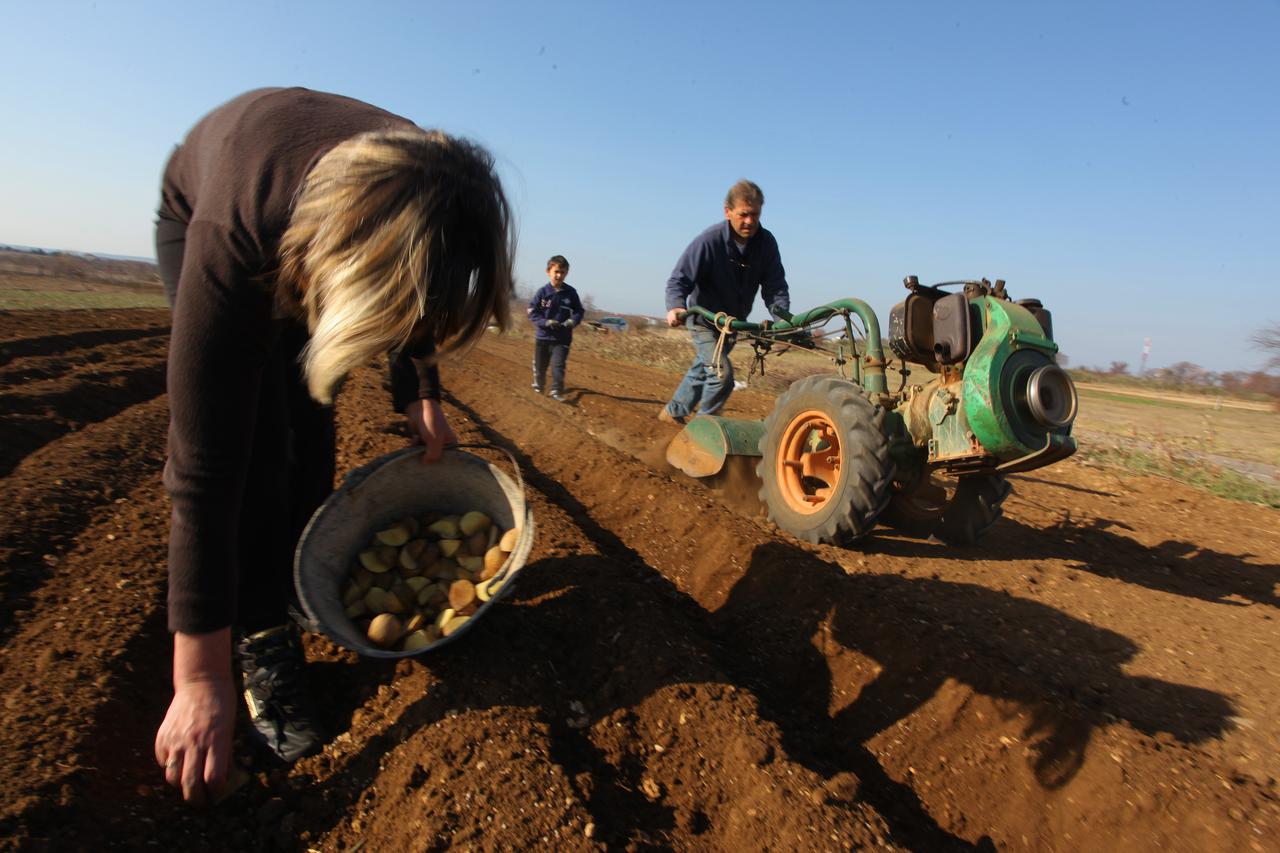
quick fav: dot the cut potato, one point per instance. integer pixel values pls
(384, 630)
(454, 623)
(461, 594)
(509, 539)
(373, 561)
(411, 554)
(416, 640)
(375, 599)
(444, 529)
(395, 536)
(494, 559)
(473, 522)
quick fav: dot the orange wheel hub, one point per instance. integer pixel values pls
(809, 461)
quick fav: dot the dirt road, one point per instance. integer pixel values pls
(670, 672)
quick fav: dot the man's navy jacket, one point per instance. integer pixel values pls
(713, 274)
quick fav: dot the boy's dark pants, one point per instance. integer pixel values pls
(545, 352)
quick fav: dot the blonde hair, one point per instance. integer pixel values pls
(394, 234)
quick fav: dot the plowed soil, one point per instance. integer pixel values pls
(670, 672)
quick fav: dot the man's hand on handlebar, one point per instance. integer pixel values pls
(676, 316)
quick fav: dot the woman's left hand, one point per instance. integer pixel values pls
(428, 427)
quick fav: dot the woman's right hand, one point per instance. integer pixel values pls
(193, 744)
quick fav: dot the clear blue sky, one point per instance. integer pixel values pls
(1120, 161)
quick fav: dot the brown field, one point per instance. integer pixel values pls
(671, 672)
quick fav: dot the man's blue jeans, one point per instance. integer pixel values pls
(700, 386)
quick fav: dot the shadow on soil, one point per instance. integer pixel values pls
(1100, 547)
(611, 630)
(577, 394)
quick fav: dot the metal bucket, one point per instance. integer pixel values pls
(378, 494)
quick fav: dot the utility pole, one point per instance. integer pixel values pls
(1146, 351)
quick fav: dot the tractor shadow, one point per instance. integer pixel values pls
(1100, 547)
(1065, 675)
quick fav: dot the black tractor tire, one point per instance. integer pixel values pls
(832, 513)
(975, 504)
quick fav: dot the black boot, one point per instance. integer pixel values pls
(280, 707)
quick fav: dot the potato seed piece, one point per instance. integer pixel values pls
(494, 558)
(411, 554)
(509, 539)
(351, 594)
(416, 583)
(416, 622)
(473, 522)
(376, 600)
(453, 624)
(372, 561)
(444, 616)
(473, 565)
(449, 547)
(400, 599)
(445, 529)
(384, 630)
(416, 640)
(394, 536)
(482, 590)
(356, 609)
(461, 593)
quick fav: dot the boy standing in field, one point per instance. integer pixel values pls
(555, 309)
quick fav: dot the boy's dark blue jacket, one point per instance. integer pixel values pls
(713, 274)
(559, 305)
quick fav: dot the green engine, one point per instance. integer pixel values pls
(993, 398)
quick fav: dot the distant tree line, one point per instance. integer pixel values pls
(1188, 376)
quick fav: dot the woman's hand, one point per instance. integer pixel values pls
(428, 427)
(193, 744)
